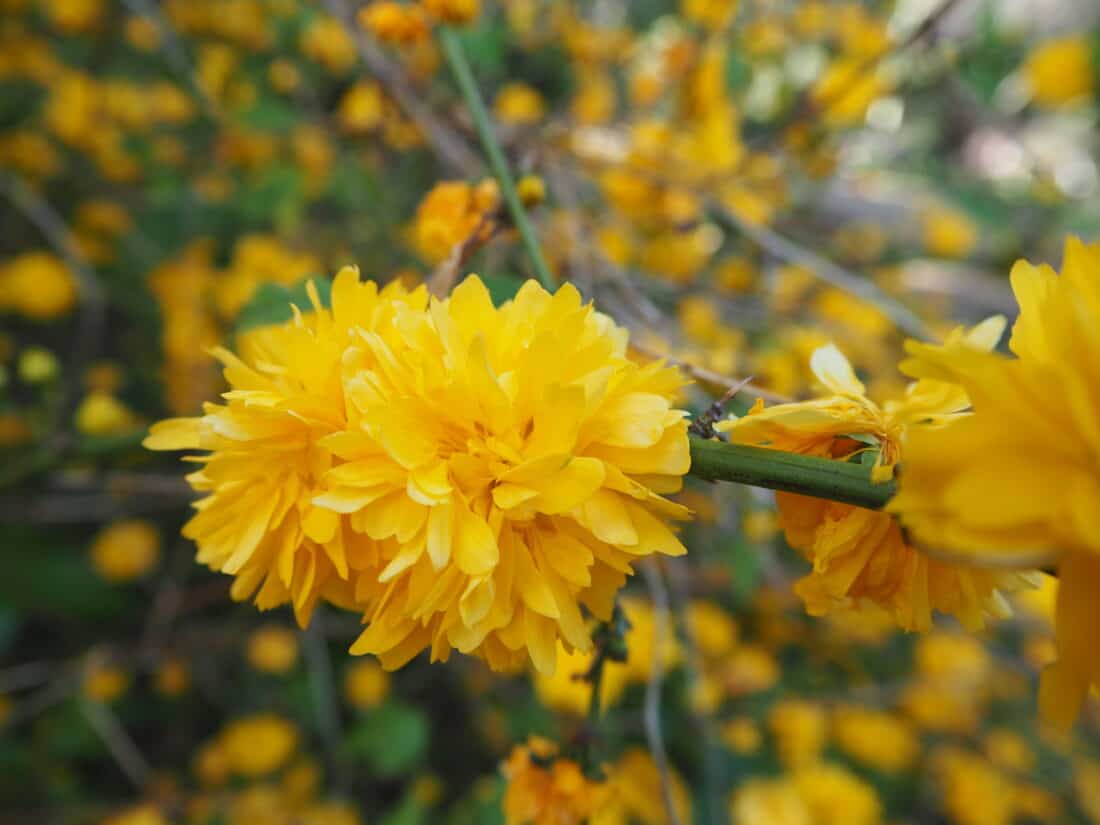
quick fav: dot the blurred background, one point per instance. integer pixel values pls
(738, 183)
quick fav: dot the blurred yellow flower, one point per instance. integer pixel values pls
(126, 550)
(949, 234)
(800, 728)
(328, 42)
(1015, 483)
(519, 104)
(392, 22)
(145, 814)
(633, 793)
(454, 12)
(847, 89)
(172, 677)
(100, 413)
(450, 213)
(366, 684)
(361, 107)
(836, 796)
(37, 285)
(37, 365)
(103, 682)
(761, 801)
(875, 738)
(545, 789)
(1061, 70)
(255, 746)
(974, 792)
(272, 649)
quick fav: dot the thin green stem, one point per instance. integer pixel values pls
(460, 68)
(789, 472)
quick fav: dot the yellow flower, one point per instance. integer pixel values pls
(74, 15)
(255, 746)
(361, 107)
(847, 89)
(258, 521)
(836, 796)
(974, 792)
(876, 738)
(1016, 482)
(519, 104)
(326, 41)
(126, 550)
(760, 801)
(393, 22)
(172, 677)
(104, 682)
(545, 789)
(37, 285)
(100, 413)
(1061, 70)
(858, 554)
(454, 12)
(712, 14)
(634, 793)
(37, 365)
(949, 234)
(450, 213)
(366, 685)
(146, 814)
(800, 729)
(741, 735)
(712, 628)
(272, 649)
(565, 691)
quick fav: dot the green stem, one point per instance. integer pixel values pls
(460, 68)
(789, 472)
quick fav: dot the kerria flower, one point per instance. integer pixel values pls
(861, 555)
(265, 460)
(545, 789)
(510, 463)
(1017, 483)
(465, 476)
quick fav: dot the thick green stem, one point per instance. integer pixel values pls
(460, 68)
(790, 472)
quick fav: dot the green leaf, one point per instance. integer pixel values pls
(270, 304)
(392, 739)
(409, 812)
(738, 72)
(270, 115)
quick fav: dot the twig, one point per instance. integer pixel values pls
(450, 147)
(826, 270)
(460, 68)
(445, 275)
(651, 714)
(118, 742)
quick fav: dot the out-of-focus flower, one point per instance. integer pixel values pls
(361, 107)
(272, 649)
(255, 746)
(519, 104)
(126, 550)
(366, 684)
(847, 89)
(37, 285)
(800, 728)
(1061, 70)
(100, 413)
(949, 234)
(974, 792)
(329, 43)
(172, 677)
(146, 814)
(453, 12)
(37, 365)
(858, 554)
(875, 738)
(545, 789)
(836, 796)
(102, 681)
(1013, 483)
(392, 22)
(633, 792)
(450, 213)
